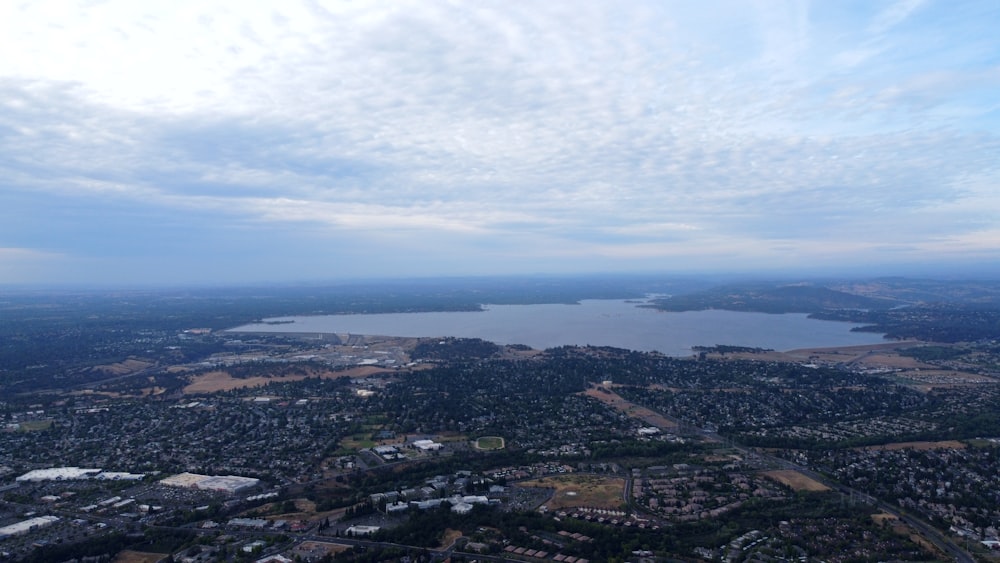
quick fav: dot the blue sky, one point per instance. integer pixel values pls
(212, 142)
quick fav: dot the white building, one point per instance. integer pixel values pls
(223, 483)
(462, 508)
(58, 474)
(27, 526)
(427, 445)
(362, 530)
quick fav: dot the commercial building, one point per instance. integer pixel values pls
(27, 526)
(229, 484)
(58, 474)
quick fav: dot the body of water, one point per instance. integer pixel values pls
(597, 322)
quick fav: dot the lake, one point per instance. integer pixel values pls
(616, 323)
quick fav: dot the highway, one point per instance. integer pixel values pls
(944, 544)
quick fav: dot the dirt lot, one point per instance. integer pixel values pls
(130, 365)
(314, 550)
(923, 446)
(139, 557)
(883, 517)
(796, 480)
(612, 399)
(449, 538)
(215, 381)
(872, 355)
(581, 490)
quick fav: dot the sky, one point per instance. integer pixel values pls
(205, 141)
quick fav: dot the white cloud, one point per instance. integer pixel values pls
(27, 265)
(667, 129)
(893, 15)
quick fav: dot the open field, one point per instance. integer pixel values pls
(581, 490)
(126, 367)
(360, 442)
(883, 517)
(874, 356)
(35, 425)
(490, 443)
(215, 381)
(796, 480)
(612, 399)
(313, 550)
(927, 379)
(129, 556)
(305, 509)
(450, 536)
(922, 446)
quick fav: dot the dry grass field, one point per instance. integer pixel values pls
(450, 536)
(215, 381)
(796, 480)
(128, 556)
(870, 355)
(581, 490)
(921, 446)
(305, 509)
(616, 401)
(883, 517)
(131, 365)
(314, 550)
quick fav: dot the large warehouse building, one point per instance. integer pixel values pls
(230, 484)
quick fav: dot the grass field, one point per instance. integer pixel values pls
(490, 443)
(581, 490)
(357, 442)
(34, 425)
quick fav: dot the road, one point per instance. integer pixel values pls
(925, 530)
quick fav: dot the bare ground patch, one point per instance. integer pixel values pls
(215, 381)
(312, 550)
(922, 446)
(797, 481)
(883, 517)
(129, 556)
(869, 355)
(449, 538)
(616, 401)
(131, 365)
(581, 490)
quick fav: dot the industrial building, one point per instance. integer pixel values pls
(230, 484)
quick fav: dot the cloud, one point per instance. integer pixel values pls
(28, 265)
(501, 134)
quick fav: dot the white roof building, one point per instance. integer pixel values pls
(462, 508)
(362, 530)
(58, 474)
(119, 476)
(427, 445)
(27, 525)
(222, 483)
